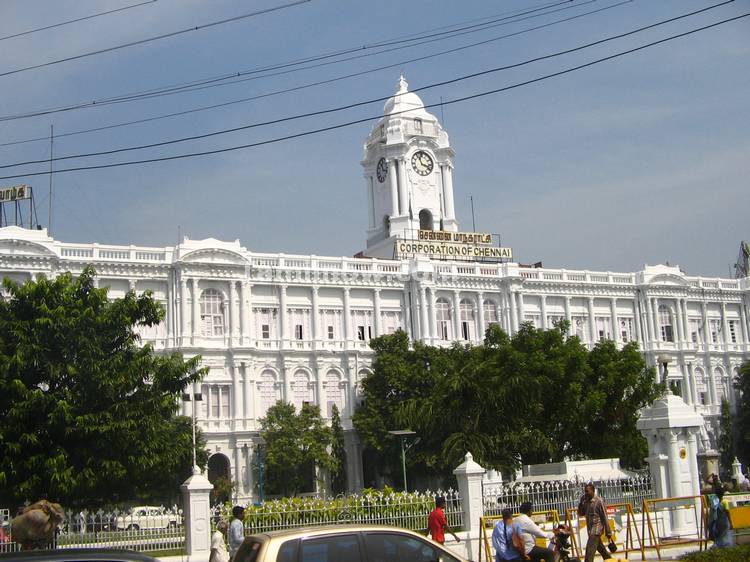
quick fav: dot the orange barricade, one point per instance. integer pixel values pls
(622, 522)
(673, 522)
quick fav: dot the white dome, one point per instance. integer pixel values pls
(404, 100)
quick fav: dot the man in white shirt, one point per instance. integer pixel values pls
(529, 530)
(236, 529)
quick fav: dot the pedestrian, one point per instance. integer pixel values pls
(437, 523)
(591, 507)
(529, 530)
(503, 538)
(719, 524)
(236, 529)
(219, 551)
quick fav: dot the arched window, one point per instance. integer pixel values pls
(720, 385)
(301, 391)
(443, 317)
(665, 321)
(269, 391)
(425, 220)
(334, 393)
(490, 313)
(467, 319)
(212, 313)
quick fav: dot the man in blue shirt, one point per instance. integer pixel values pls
(502, 538)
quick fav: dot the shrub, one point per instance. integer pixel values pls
(734, 554)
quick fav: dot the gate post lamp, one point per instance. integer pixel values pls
(195, 397)
(403, 434)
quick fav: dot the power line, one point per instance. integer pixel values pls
(62, 23)
(372, 118)
(155, 38)
(375, 100)
(222, 80)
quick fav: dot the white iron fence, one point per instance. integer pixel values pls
(143, 528)
(408, 511)
(564, 494)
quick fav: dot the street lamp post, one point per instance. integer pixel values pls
(403, 434)
(194, 397)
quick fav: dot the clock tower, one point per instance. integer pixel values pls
(408, 169)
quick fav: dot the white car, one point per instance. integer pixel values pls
(147, 517)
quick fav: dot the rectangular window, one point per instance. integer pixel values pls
(580, 327)
(603, 328)
(443, 329)
(626, 329)
(215, 403)
(703, 398)
(361, 333)
(418, 125)
(714, 328)
(330, 332)
(696, 330)
(732, 325)
(265, 331)
(298, 331)
(465, 330)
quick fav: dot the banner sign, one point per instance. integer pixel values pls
(15, 193)
(455, 245)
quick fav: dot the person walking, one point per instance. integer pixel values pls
(502, 538)
(236, 529)
(529, 530)
(437, 523)
(591, 507)
(219, 551)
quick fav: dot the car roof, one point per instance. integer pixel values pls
(328, 529)
(78, 555)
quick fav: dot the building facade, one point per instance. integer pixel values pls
(287, 327)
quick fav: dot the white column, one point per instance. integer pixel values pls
(679, 522)
(248, 408)
(237, 405)
(693, 384)
(687, 394)
(370, 201)
(543, 311)
(693, 460)
(233, 312)
(283, 336)
(347, 317)
(513, 312)
(521, 317)
(448, 192)
(431, 314)
(724, 326)
(287, 384)
(423, 321)
(184, 312)
(196, 311)
(743, 317)
(319, 397)
(568, 316)
(238, 467)
(315, 323)
(376, 312)
(407, 315)
(456, 315)
(649, 320)
(680, 322)
(170, 310)
(685, 321)
(480, 317)
(615, 321)
(657, 323)
(245, 304)
(196, 501)
(592, 321)
(403, 190)
(637, 321)
(394, 187)
(469, 478)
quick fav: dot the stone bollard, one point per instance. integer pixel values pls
(469, 475)
(195, 492)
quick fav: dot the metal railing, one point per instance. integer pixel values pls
(564, 494)
(408, 511)
(145, 529)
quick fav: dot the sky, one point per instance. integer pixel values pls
(641, 159)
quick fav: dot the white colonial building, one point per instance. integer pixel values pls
(277, 326)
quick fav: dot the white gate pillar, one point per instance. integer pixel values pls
(195, 493)
(469, 476)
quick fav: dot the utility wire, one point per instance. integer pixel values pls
(155, 38)
(62, 23)
(372, 118)
(366, 102)
(215, 81)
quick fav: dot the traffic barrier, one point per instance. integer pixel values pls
(541, 518)
(622, 523)
(674, 522)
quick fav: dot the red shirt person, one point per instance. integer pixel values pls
(437, 523)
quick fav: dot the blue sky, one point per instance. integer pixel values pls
(642, 159)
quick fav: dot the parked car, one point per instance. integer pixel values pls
(343, 543)
(146, 517)
(77, 555)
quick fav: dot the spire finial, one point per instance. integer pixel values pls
(403, 85)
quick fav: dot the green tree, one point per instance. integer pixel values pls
(88, 413)
(295, 445)
(338, 452)
(725, 442)
(742, 421)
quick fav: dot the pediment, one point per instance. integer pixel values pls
(668, 279)
(215, 256)
(15, 247)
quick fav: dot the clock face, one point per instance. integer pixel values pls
(382, 170)
(422, 163)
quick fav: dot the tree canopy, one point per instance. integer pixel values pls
(539, 396)
(296, 443)
(742, 423)
(88, 413)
